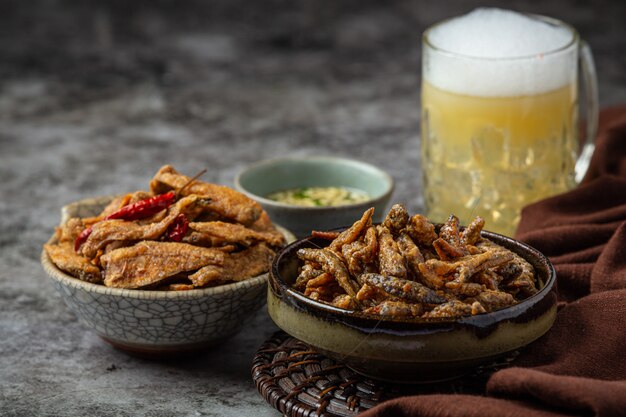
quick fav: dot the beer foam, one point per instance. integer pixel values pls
(495, 52)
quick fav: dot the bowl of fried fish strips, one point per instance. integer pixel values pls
(179, 267)
(412, 301)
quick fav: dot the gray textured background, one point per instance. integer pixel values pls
(95, 96)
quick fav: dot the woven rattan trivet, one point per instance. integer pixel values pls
(299, 382)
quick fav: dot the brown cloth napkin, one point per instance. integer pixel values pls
(579, 367)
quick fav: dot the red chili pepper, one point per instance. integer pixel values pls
(144, 208)
(178, 228)
(139, 210)
(82, 237)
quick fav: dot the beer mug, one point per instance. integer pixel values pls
(500, 111)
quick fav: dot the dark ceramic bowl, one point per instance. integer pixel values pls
(411, 350)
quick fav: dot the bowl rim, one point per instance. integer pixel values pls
(358, 320)
(388, 179)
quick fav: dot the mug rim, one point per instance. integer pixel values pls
(574, 41)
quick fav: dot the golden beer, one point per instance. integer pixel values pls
(490, 156)
(499, 115)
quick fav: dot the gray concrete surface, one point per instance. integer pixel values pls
(95, 96)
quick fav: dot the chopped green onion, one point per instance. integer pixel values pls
(319, 196)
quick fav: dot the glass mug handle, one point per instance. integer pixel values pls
(590, 83)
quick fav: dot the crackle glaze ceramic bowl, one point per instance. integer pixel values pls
(266, 177)
(157, 323)
(411, 350)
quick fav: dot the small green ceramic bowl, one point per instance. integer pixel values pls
(411, 350)
(266, 177)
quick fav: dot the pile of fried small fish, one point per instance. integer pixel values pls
(191, 234)
(405, 268)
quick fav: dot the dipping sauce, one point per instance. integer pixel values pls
(319, 196)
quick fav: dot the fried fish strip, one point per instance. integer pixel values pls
(69, 231)
(367, 293)
(344, 301)
(308, 272)
(332, 264)
(66, 259)
(235, 233)
(452, 308)
(449, 246)
(324, 235)
(390, 260)
(471, 234)
(177, 287)
(439, 272)
(229, 203)
(411, 253)
(148, 263)
(265, 225)
(477, 308)
(324, 293)
(401, 288)
(489, 278)
(368, 253)
(351, 260)
(448, 252)
(421, 230)
(518, 275)
(524, 284)
(353, 232)
(235, 267)
(397, 218)
(494, 300)
(323, 279)
(396, 309)
(450, 231)
(358, 255)
(465, 289)
(202, 239)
